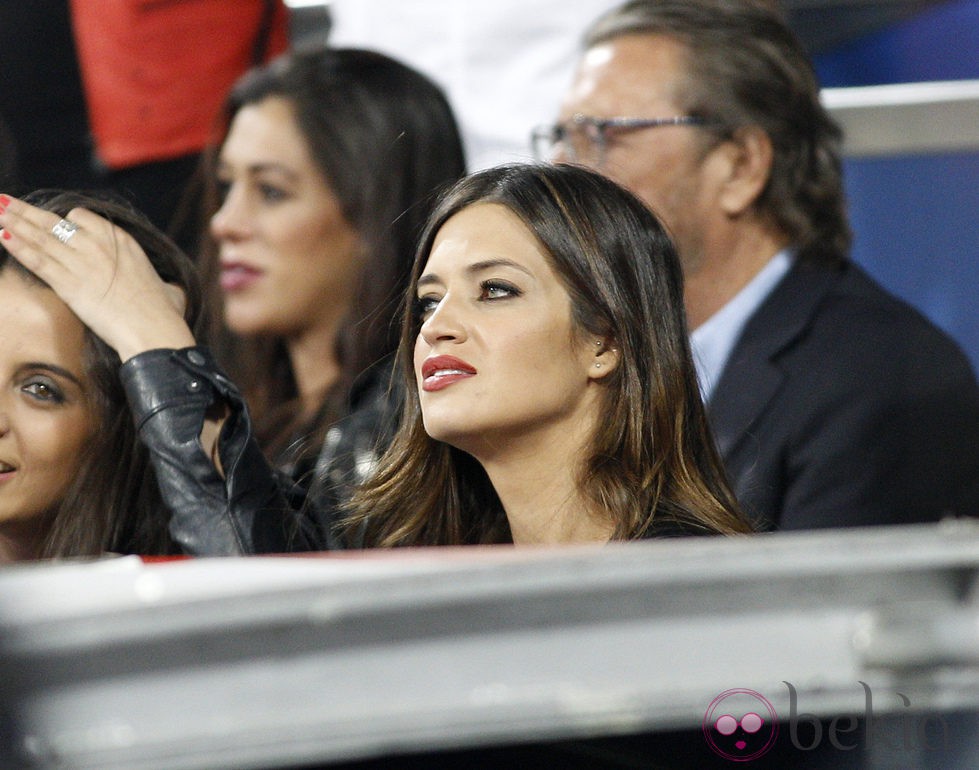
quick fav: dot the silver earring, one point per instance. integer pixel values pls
(598, 366)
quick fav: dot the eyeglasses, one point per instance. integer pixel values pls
(585, 139)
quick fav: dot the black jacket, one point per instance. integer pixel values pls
(252, 508)
(841, 405)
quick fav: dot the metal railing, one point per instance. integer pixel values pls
(907, 118)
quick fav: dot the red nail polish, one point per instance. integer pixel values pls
(4, 202)
(6, 235)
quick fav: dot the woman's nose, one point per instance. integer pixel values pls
(230, 219)
(444, 322)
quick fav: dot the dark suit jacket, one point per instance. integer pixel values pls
(841, 405)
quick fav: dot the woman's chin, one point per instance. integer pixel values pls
(451, 433)
(247, 324)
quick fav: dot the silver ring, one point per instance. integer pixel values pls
(64, 230)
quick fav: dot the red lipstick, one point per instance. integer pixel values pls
(441, 371)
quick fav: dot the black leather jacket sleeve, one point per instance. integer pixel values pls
(251, 508)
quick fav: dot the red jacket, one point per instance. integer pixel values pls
(156, 72)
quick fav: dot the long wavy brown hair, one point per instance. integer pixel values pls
(652, 463)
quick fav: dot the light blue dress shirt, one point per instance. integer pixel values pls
(713, 340)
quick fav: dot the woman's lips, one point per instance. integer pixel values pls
(439, 372)
(236, 276)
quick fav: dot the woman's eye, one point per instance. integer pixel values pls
(44, 391)
(425, 306)
(490, 290)
(272, 194)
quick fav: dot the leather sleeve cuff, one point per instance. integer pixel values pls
(164, 378)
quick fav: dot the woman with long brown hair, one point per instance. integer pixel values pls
(551, 395)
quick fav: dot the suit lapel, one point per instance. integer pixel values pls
(752, 376)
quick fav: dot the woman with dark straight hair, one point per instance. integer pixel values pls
(329, 165)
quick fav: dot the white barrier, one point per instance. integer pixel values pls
(274, 662)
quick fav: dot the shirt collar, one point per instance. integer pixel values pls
(713, 341)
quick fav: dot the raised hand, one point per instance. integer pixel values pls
(100, 272)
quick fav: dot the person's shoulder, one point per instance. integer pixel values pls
(859, 298)
(860, 321)
(664, 526)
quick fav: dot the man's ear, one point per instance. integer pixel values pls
(605, 360)
(748, 155)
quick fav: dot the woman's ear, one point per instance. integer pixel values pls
(604, 360)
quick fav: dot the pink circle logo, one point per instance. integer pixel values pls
(740, 725)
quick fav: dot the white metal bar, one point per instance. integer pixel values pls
(907, 118)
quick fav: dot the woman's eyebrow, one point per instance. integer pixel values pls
(270, 167)
(488, 264)
(477, 267)
(53, 369)
(428, 278)
(259, 168)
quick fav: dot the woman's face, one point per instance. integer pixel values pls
(289, 259)
(498, 360)
(46, 418)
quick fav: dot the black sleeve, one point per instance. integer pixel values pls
(251, 509)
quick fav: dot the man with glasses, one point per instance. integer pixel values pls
(833, 403)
